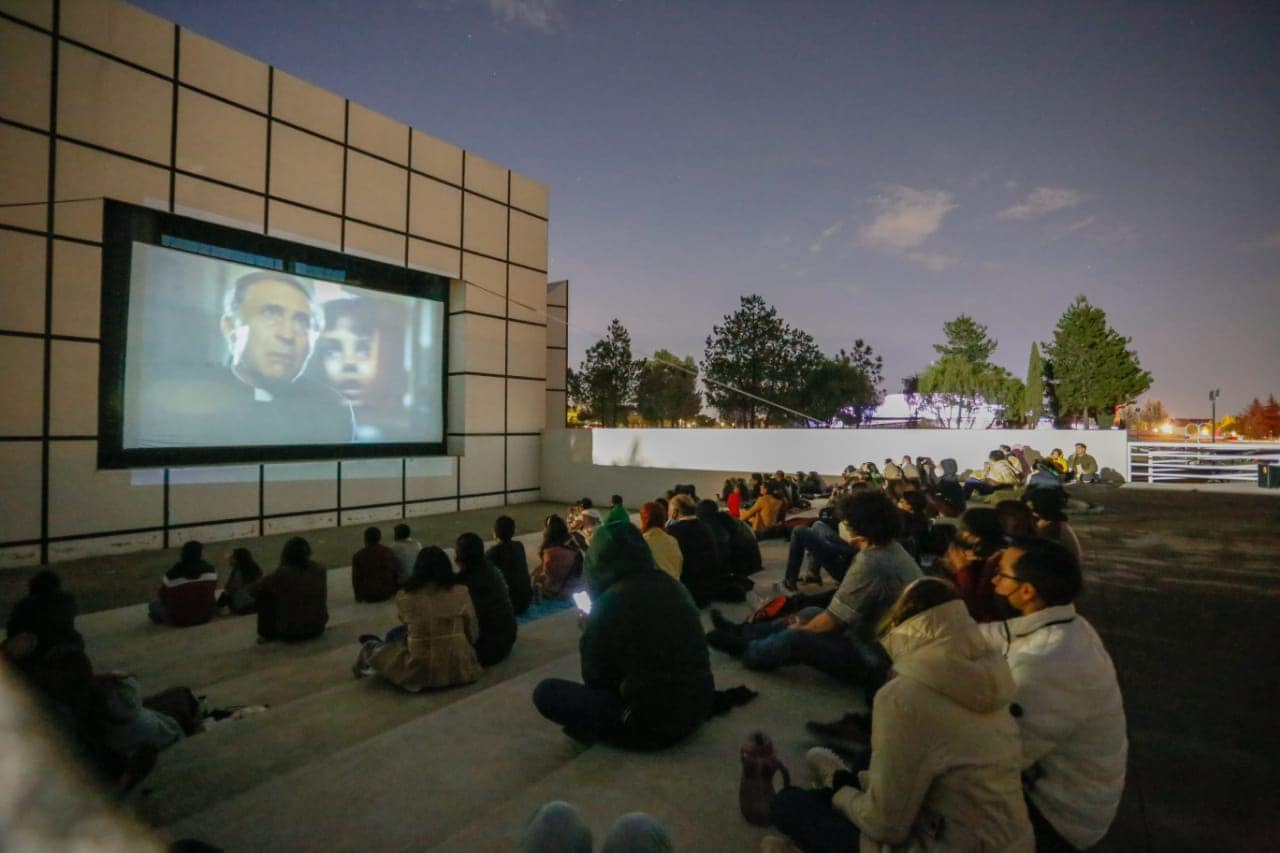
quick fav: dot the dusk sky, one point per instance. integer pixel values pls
(872, 170)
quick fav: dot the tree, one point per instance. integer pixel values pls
(754, 351)
(667, 394)
(1259, 420)
(1033, 399)
(606, 382)
(1152, 414)
(871, 366)
(1094, 368)
(967, 339)
(962, 378)
(838, 389)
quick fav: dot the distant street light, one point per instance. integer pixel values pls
(1213, 415)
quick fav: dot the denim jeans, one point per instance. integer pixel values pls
(818, 547)
(775, 644)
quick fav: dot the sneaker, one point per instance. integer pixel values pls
(852, 726)
(823, 763)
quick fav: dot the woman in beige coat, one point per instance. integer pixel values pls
(437, 650)
(945, 750)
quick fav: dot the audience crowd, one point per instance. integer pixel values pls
(995, 718)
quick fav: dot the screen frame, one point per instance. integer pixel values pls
(124, 224)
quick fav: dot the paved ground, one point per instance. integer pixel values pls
(1182, 586)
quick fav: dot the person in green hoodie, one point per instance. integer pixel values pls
(645, 664)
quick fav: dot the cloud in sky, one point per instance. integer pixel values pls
(1042, 201)
(905, 218)
(935, 261)
(826, 234)
(1058, 231)
(540, 15)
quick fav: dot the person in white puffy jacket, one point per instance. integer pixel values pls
(1067, 700)
(945, 753)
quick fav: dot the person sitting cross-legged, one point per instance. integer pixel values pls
(945, 753)
(646, 675)
(292, 601)
(437, 649)
(1067, 700)
(840, 639)
(375, 569)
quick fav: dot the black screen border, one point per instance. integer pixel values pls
(123, 224)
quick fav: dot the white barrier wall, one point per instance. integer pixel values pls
(646, 462)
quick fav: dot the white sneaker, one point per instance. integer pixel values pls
(824, 763)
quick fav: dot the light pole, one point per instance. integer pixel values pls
(1213, 415)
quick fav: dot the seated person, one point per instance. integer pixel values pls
(892, 472)
(1050, 519)
(744, 549)
(913, 508)
(646, 672)
(663, 546)
(1016, 519)
(490, 598)
(703, 574)
(508, 555)
(768, 514)
(617, 512)
(293, 600)
(1060, 462)
(244, 571)
(1082, 466)
(375, 569)
(437, 649)
(910, 470)
(996, 474)
(1070, 713)
(708, 513)
(406, 548)
(188, 594)
(972, 558)
(559, 562)
(945, 753)
(1044, 475)
(816, 547)
(47, 613)
(840, 639)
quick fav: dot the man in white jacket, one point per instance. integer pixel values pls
(1067, 701)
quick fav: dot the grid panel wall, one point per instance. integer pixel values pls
(102, 99)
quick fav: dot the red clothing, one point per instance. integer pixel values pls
(375, 573)
(735, 503)
(977, 591)
(189, 601)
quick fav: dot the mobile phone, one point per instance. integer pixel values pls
(583, 601)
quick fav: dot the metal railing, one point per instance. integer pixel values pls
(1172, 462)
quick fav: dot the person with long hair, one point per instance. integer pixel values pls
(559, 562)
(663, 546)
(293, 600)
(490, 598)
(244, 571)
(437, 650)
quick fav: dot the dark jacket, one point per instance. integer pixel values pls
(293, 602)
(50, 617)
(497, 619)
(375, 573)
(703, 575)
(743, 549)
(510, 559)
(644, 637)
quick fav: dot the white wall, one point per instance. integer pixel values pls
(647, 462)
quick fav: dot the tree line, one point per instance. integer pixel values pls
(758, 370)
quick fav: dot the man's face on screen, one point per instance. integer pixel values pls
(271, 334)
(350, 358)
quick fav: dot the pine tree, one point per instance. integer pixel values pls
(667, 393)
(608, 377)
(967, 339)
(1033, 399)
(1094, 369)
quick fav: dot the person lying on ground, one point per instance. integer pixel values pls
(945, 753)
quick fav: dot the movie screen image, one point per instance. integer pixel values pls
(220, 354)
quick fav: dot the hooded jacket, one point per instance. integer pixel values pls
(945, 754)
(643, 638)
(1072, 722)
